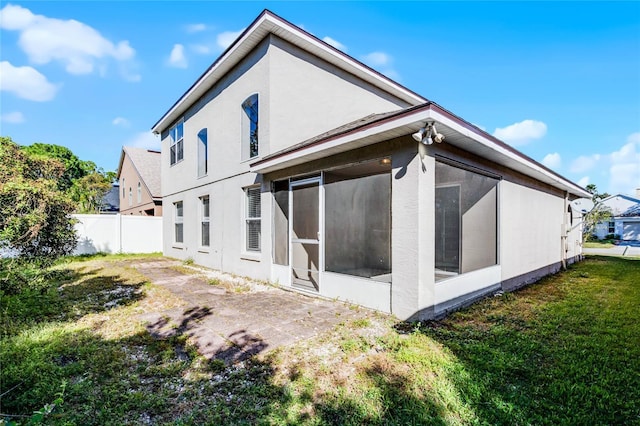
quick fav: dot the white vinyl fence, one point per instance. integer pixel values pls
(118, 234)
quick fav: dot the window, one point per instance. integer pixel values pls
(123, 189)
(252, 219)
(204, 221)
(250, 127)
(130, 197)
(358, 221)
(178, 220)
(203, 161)
(612, 228)
(176, 135)
(139, 193)
(466, 221)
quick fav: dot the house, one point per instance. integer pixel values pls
(290, 161)
(625, 218)
(110, 203)
(139, 180)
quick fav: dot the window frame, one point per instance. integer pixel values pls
(130, 197)
(178, 220)
(139, 195)
(248, 192)
(247, 151)
(205, 219)
(203, 153)
(176, 144)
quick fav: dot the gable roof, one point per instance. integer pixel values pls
(269, 23)
(147, 164)
(632, 211)
(626, 197)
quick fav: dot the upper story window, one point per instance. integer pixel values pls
(176, 143)
(250, 127)
(139, 193)
(123, 189)
(203, 153)
(130, 197)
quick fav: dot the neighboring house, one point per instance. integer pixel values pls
(111, 200)
(625, 221)
(139, 180)
(290, 161)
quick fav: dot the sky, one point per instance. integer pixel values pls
(559, 81)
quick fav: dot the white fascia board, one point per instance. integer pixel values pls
(342, 143)
(510, 155)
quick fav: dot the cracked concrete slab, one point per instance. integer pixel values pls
(230, 324)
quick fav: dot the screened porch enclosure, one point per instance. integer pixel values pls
(466, 227)
(338, 221)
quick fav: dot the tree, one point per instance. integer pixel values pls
(74, 168)
(600, 213)
(88, 192)
(86, 183)
(35, 213)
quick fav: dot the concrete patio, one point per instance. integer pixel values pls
(235, 323)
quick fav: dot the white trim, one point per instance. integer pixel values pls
(405, 125)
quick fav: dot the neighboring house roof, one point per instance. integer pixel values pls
(147, 164)
(111, 200)
(381, 127)
(270, 23)
(620, 203)
(632, 211)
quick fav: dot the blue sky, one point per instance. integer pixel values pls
(559, 81)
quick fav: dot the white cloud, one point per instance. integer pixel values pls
(624, 171)
(195, 28)
(552, 161)
(621, 167)
(377, 59)
(225, 39)
(583, 182)
(26, 83)
(584, 163)
(120, 121)
(79, 47)
(145, 140)
(335, 43)
(15, 117)
(200, 49)
(177, 58)
(382, 61)
(521, 133)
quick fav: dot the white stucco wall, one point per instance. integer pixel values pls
(309, 96)
(530, 229)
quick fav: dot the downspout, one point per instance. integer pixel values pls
(563, 237)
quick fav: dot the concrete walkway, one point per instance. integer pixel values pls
(623, 249)
(235, 324)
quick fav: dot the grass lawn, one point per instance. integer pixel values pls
(599, 244)
(563, 351)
